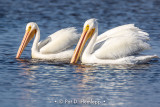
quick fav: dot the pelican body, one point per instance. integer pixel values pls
(120, 45)
(56, 47)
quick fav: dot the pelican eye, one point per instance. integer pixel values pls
(87, 27)
(29, 28)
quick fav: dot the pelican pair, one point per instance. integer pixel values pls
(120, 45)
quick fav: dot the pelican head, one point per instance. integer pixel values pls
(31, 30)
(88, 31)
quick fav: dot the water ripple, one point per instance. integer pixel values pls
(37, 83)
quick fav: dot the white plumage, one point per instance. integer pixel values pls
(122, 41)
(120, 45)
(60, 41)
(57, 46)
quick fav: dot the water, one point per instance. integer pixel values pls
(34, 83)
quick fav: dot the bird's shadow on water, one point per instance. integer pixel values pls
(41, 62)
(30, 61)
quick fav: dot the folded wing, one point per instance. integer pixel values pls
(120, 42)
(59, 41)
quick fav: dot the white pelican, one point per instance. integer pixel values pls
(119, 45)
(56, 47)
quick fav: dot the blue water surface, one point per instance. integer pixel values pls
(34, 83)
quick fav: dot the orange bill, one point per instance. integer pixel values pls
(86, 34)
(26, 39)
